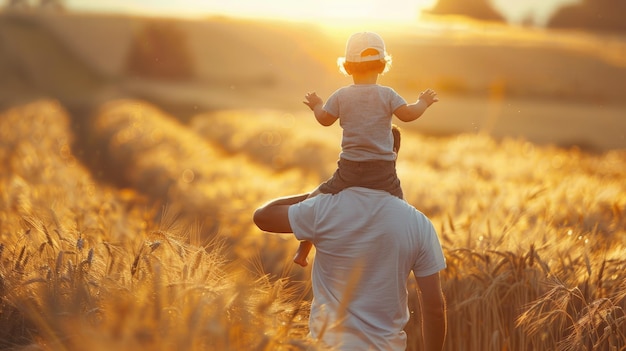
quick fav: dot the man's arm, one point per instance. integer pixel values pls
(433, 305)
(274, 215)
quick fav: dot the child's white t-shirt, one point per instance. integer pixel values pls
(367, 243)
(365, 112)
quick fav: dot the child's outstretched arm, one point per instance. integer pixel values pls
(316, 104)
(411, 112)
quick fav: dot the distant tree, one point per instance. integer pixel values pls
(55, 5)
(160, 50)
(477, 9)
(17, 4)
(605, 15)
(528, 21)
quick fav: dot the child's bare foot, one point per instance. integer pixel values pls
(302, 261)
(302, 253)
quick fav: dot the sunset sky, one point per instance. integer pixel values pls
(332, 10)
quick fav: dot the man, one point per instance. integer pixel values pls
(367, 243)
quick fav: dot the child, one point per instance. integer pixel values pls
(365, 110)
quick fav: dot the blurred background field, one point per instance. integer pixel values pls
(550, 86)
(135, 149)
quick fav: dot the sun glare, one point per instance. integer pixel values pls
(326, 11)
(329, 10)
(374, 10)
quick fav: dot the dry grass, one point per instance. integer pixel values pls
(87, 266)
(534, 236)
(168, 259)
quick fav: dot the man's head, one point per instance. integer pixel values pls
(365, 51)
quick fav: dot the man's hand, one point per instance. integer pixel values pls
(429, 96)
(312, 100)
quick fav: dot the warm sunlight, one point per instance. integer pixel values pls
(354, 10)
(351, 11)
(322, 10)
(141, 142)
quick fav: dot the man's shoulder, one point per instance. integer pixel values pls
(375, 194)
(365, 197)
(366, 191)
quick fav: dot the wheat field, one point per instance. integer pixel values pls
(164, 255)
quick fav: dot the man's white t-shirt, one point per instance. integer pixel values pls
(367, 243)
(365, 112)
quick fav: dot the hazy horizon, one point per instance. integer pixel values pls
(326, 10)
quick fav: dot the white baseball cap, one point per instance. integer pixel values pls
(359, 42)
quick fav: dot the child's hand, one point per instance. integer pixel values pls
(312, 100)
(429, 96)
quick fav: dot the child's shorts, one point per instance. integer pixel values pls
(379, 175)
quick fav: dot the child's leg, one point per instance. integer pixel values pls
(314, 192)
(332, 186)
(305, 246)
(302, 253)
